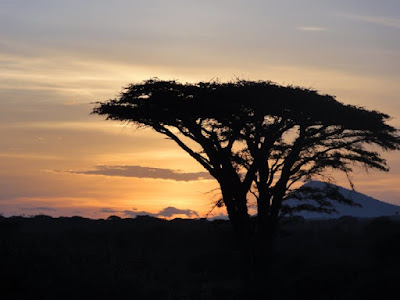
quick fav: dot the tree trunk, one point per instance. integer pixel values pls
(256, 259)
(255, 240)
(240, 220)
(264, 255)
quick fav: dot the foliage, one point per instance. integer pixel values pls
(259, 137)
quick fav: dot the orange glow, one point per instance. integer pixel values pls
(48, 86)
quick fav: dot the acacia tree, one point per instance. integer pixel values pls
(261, 138)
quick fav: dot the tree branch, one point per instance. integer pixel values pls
(201, 159)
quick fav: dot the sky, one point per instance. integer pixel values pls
(59, 57)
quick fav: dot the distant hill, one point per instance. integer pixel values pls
(370, 207)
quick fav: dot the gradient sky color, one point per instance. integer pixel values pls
(58, 57)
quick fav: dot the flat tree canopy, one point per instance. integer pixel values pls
(259, 137)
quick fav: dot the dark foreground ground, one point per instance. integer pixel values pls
(147, 258)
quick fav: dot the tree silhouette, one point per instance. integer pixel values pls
(259, 138)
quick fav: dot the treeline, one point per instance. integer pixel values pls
(151, 258)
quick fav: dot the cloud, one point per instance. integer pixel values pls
(134, 213)
(311, 28)
(171, 211)
(145, 172)
(167, 212)
(109, 210)
(44, 208)
(377, 20)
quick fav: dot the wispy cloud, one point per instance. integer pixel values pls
(311, 28)
(378, 20)
(145, 172)
(109, 210)
(41, 208)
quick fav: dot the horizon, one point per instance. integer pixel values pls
(172, 213)
(58, 58)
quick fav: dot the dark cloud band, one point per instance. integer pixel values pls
(167, 212)
(145, 172)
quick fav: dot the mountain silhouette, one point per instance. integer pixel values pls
(369, 207)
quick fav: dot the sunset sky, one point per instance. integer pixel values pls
(57, 57)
